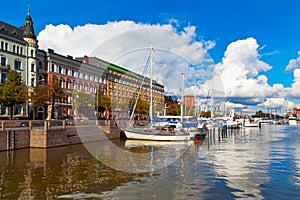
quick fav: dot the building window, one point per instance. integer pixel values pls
(2, 45)
(73, 73)
(53, 68)
(61, 82)
(31, 53)
(18, 49)
(17, 110)
(3, 110)
(17, 65)
(21, 50)
(3, 77)
(3, 61)
(74, 85)
(67, 84)
(60, 69)
(14, 48)
(6, 46)
(32, 82)
(32, 67)
(67, 99)
(67, 71)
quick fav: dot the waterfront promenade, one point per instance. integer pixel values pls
(18, 134)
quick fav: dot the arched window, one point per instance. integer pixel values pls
(61, 80)
(74, 85)
(68, 84)
(60, 69)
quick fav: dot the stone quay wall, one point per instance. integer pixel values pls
(45, 134)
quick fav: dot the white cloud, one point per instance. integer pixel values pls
(277, 103)
(293, 64)
(239, 72)
(295, 87)
(127, 43)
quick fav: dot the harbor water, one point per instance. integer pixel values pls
(249, 163)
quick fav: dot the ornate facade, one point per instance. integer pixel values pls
(19, 51)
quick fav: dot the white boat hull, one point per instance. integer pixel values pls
(292, 122)
(137, 143)
(251, 125)
(137, 135)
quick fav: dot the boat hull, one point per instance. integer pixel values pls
(292, 122)
(138, 135)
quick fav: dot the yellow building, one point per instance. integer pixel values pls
(121, 85)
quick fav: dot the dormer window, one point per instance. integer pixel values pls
(2, 28)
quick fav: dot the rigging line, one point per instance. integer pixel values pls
(138, 89)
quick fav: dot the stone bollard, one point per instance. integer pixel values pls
(2, 126)
(45, 125)
(64, 124)
(30, 125)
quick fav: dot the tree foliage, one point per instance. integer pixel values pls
(103, 101)
(55, 93)
(173, 106)
(142, 107)
(206, 114)
(13, 92)
(39, 96)
(82, 102)
(259, 113)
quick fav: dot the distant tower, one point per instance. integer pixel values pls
(30, 72)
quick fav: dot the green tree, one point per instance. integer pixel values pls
(82, 102)
(142, 107)
(13, 91)
(172, 105)
(55, 93)
(38, 97)
(104, 102)
(206, 114)
(259, 113)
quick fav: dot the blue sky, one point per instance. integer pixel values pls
(274, 24)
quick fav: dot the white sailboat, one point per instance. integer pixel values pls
(165, 133)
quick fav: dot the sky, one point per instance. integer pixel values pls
(245, 51)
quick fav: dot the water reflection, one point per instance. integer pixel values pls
(249, 163)
(241, 162)
(50, 173)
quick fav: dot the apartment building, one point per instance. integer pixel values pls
(121, 85)
(18, 51)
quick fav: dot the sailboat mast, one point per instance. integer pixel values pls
(151, 77)
(182, 96)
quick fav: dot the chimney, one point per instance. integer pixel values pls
(86, 59)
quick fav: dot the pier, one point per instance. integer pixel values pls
(16, 134)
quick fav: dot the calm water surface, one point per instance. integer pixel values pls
(250, 163)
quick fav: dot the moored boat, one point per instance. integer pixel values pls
(169, 132)
(292, 120)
